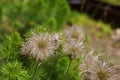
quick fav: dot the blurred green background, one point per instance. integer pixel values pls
(17, 17)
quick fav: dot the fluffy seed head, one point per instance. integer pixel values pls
(40, 46)
(73, 49)
(74, 33)
(102, 71)
(88, 61)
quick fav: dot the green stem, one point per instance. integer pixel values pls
(54, 66)
(67, 70)
(36, 68)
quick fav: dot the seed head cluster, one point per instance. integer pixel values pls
(42, 45)
(74, 37)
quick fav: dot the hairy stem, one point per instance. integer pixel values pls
(35, 71)
(68, 67)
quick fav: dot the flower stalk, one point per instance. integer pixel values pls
(36, 69)
(68, 68)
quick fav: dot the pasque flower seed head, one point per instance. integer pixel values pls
(73, 49)
(40, 46)
(74, 33)
(102, 71)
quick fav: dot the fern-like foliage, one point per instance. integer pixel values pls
(37, 29)
(20, 13)
(14, 71)
(10, 47)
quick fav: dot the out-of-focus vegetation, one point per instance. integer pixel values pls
(17, 14)
(112, 2)
(21, 49)
(99, 28)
